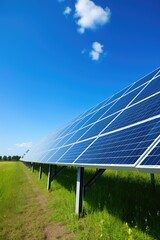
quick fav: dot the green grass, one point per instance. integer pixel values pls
(17, 211)
(120, 205)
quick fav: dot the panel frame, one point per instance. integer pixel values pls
(150, 168)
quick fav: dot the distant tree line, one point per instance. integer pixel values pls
(10, 158)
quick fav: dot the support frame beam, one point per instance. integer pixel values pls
(90, 182)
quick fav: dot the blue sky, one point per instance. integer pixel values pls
(58, 58)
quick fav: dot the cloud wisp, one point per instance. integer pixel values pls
(97, 50)
(67, 11)
(24, 145)
(90, 15)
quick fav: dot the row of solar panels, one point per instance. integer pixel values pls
(114, 133)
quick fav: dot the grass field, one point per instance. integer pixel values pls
(120, 205)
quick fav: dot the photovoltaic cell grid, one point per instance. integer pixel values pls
(115, 132)
(122, 147)
(153, 159)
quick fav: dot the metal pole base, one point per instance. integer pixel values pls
(49, 177)
(153, 183)
(79, 191)
(40, 171)
(32, 167)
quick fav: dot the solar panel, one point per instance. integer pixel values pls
(123, 147)
(114, 133)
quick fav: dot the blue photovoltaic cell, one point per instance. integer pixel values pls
(123, 147)
(151, 88)
(153, 159)
(119, 94)
(98, 127)
(47, 155)
(99, 106)
(68, 129)
(77, 135)
(114, 106)
(81, 122)
(71, 137)
(122, 102)
(59, 141)
(95, 108)
(74, 152)
(57, 154)
(141, 111)
(145, 79)
(87, 112)
(99, 114)
(60, 131)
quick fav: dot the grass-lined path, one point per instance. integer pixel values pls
(119, 206)
(23, 211)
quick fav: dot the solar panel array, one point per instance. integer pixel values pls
(115, 133)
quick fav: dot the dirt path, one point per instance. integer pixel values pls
(51, 231)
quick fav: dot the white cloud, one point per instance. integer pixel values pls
(24, 145)
(67, 11)
(90, 15)
(97, 50)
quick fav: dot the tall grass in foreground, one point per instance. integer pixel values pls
(19, 212)
(11, 196)
(120, 205)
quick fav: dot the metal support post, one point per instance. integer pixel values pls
(40, 171)
(90, 182)
(49, 177)
(57, 172)
(79, 191)
(153, 183)
(32, 167)
(28, 164)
